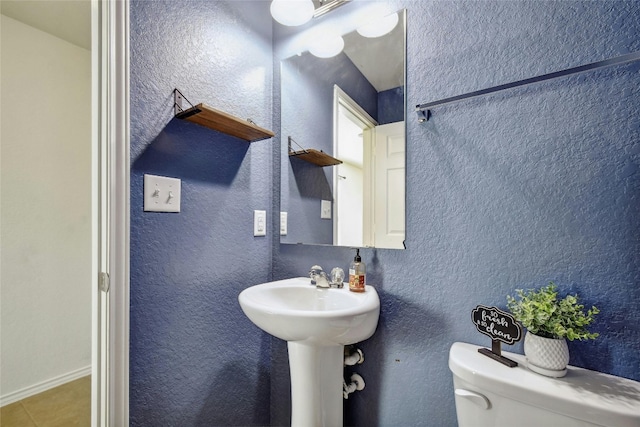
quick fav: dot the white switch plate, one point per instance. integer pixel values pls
(259, 223)
(161, 194)
(283, 223)
(325, 209)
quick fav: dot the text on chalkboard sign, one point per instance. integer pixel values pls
(497, 324)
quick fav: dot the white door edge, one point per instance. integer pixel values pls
(110, 201)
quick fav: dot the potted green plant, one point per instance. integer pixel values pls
(550, 322)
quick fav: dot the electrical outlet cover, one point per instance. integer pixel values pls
(325, 209)
(283, 223)
(259, 223)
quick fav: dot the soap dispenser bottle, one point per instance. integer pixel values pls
(357, 274)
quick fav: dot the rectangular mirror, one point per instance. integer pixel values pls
(343, 141)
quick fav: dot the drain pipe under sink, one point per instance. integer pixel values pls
(352, 356)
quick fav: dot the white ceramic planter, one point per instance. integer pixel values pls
(546, 356)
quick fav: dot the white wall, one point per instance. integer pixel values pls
(45, 235)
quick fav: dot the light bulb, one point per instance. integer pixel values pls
(292, 12)
(379, 28)
(327, 47)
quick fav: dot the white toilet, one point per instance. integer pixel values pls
(489, 393)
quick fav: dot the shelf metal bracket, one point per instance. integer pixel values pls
(178, 97)
(291, 150)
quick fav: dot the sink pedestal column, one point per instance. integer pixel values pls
(316, 384)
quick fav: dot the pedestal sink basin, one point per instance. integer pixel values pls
(317, 324)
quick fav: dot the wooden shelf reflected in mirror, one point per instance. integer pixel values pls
(316, 157)
(311, 155)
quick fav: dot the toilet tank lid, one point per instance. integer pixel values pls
(582, 394)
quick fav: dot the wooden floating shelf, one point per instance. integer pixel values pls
(316, 157)
(223, 122)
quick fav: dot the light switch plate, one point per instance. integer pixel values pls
(259, 223)
(283, 223)
(161, 194)
(325, 209)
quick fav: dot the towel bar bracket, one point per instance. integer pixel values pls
(423, 115)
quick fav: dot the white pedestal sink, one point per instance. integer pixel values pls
(317, 324)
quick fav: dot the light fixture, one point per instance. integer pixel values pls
(327, 6)
(327, 47)
(292, 12)
(380, 27)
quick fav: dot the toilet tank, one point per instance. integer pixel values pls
(488, 393)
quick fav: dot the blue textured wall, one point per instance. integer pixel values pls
(195, 358)
(307, 106)
(391, 106)
(503, 192)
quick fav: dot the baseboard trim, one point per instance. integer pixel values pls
(44, 386)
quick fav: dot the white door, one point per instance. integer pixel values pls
(389, 186)
(352, 127)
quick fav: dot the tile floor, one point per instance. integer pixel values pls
(63, 406)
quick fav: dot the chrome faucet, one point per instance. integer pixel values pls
(319, 278)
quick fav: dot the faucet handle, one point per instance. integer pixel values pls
(337, 278)
(315, 271)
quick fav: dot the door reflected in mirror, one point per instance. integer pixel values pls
(350, 107)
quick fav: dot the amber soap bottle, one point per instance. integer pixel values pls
(357, 273)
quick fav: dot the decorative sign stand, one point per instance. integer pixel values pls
(501, 327)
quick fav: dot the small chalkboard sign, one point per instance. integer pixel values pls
(501, 327)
